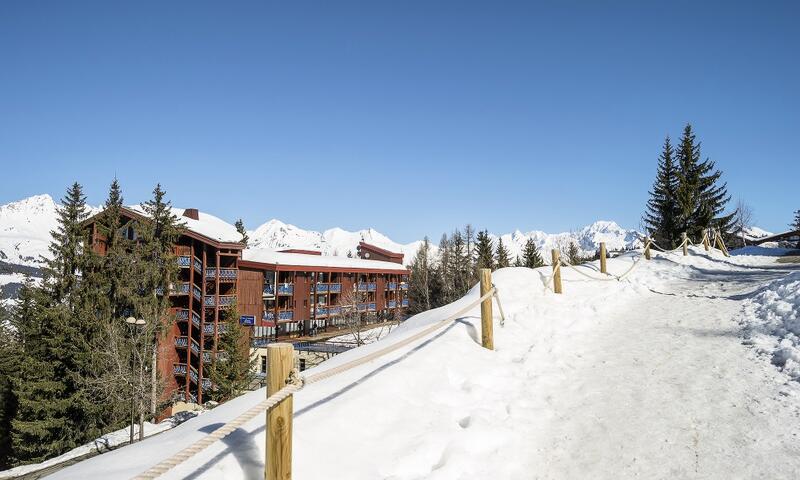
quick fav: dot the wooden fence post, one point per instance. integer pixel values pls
(647, 248)
(487, 333)
(706, 243)
(720, 244)
(685, 244)
(280, 362)
(603, 257)
(556, 271)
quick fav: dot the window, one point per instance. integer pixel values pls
(263, 364)
(302, 364)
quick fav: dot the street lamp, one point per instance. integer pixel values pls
(135, 327)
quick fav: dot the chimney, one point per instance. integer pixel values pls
(191, 213)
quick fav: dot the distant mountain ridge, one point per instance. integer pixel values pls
(25, 227)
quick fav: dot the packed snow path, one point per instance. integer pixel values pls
(646, 377)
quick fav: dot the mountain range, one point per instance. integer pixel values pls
(25, 227)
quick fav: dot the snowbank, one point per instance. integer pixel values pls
(772, 319)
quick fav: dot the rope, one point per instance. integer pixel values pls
(500, 307)
(590, 277)
(165, 465)
(295, 383)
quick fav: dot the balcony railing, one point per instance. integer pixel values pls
(198, 266)
(196, 320)
(392, 303)
(334, 310)
(197, 293)
(320, 312)
(286, 315)
(181, 289)
(184, 261)
(362, 307)
(207, 385)
(208, 329)
(403, 286)
(225, 274)
(371, 307)
(285, 289)
(405, 302)
(335, 287)
(322, 288)
(179, 369)
(391, 286)
(224, 300)
(193, 374)
(268, 316)
(207, 357)
(367, 287)
(182, 315)
(181, 342)
(269, 290)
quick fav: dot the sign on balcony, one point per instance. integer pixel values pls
(247, 320)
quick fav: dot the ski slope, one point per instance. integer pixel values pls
(648, 377)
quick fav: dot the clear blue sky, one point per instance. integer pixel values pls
(409, 117)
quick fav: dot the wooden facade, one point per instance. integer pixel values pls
(285, 300)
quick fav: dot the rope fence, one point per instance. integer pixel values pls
(296, 382)
(553, 282)
(287, 380)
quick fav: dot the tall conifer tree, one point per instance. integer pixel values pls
(701, 196)
(502, 255)
(531, 257)
(661, 217)
(484, 251)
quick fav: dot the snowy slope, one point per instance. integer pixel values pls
(277, 235)
(25, 229)
(645, 378)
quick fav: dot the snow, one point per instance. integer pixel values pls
(277, 235)
(25, 228)
(772, 320)
(206, 224)
(103, 444)
(648, 377)
(264, 255)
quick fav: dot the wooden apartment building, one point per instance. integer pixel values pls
(279, 294)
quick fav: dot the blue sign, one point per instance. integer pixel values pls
(248, 320)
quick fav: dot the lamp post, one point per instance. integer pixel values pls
(135, 327)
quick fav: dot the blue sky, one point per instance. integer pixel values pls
(410, 117)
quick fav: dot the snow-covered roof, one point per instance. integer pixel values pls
(263, 255)
(206, 224)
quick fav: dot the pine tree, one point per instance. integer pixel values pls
(531, 257)
(701, 199)
(54, 410)
(445, 272)
(471, 273)
(518, 262)
(796, 224)
(421, 296)
(242, 231)
(573, 254)
(484, 252)
(157, 269)
(461, 264)
(66, 247)
(661, 217)
(231, 373)
(9, 356)
(502, 259)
